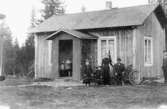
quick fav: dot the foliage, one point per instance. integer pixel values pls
(52, 7)
(17, 60)
(163, 3)
(21, 59)
(8, 50)
(25, 57)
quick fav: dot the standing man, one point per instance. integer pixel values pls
(118, 71)
(164, 66)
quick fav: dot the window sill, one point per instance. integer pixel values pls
(148, 65)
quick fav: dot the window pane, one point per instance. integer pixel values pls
(103, 48)
(147, 51)
(111, 49)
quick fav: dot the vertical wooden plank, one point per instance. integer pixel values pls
(55, 68)
(134, 47)
(1, 54)
(49, 57)
(76, 59)
(42, 58)
(99, 52)
(36, 55)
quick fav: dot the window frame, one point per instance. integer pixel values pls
(107, 38)
(146, 64)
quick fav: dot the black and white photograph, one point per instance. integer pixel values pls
(83, 54)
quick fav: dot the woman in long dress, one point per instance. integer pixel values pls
(106, 64)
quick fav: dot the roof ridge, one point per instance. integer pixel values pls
(101, 10)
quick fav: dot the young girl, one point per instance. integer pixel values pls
(87, 72)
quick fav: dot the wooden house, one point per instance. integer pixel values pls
(135, 34)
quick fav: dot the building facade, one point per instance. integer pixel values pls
(134, 34)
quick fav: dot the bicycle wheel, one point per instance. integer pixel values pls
(134, 77)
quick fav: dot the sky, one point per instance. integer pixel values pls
(18, 12)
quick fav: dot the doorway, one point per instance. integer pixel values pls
(65, 58)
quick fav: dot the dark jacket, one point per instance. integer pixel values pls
(119, 68)
(106, 62)
(87, 73)
(164, 65)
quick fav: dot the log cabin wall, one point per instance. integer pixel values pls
(124, 38)
(150, 28)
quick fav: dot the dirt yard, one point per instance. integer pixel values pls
(108, 97)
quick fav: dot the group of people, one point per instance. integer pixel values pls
(112, 73)
(109, 71)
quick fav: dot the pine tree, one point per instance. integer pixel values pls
(52, 7)
(152, 1)
(8, 51)
(33, 19)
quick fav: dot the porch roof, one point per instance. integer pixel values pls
(74, 33)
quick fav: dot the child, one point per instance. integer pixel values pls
(87, 73)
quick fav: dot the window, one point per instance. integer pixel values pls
(106, 45)
(103, 48)
(148, 51)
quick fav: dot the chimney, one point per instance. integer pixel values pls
(152, 1)
(108, 4)
(83, 8)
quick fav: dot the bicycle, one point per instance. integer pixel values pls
(131, 76)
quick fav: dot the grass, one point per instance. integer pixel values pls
(46, 97)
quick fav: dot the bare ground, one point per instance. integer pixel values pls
(104, 97)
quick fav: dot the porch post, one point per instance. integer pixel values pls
(55, 59)
(76, 59)
(36, 55)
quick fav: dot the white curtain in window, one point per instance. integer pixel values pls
(103, 48)
(111, 48)
(148, 50)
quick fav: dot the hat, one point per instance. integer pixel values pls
(118, 59)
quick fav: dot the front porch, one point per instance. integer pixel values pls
(67, 50)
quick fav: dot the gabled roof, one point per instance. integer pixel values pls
(116, 17)
(73, 33)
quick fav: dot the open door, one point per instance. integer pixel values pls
(65, 58)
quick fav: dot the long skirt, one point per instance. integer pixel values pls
(106, 75)
(165, 75)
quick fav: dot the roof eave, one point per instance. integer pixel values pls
(50, 37)
(125, 26)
